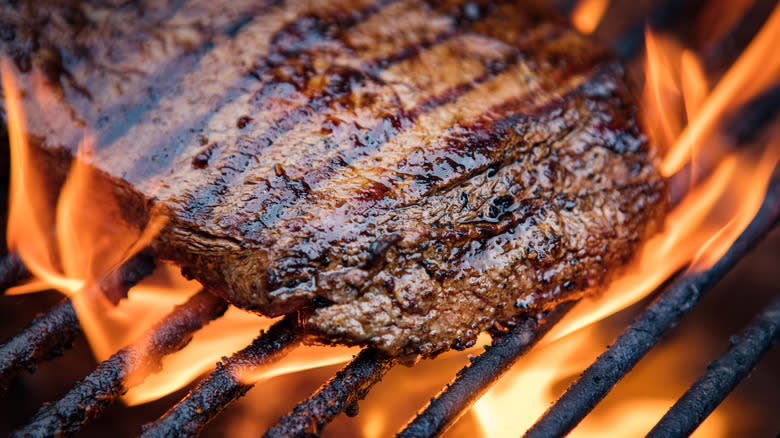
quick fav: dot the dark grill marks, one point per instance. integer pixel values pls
(532, 156)
(473, 146)
(531, 227)
(358, 141)
(128, 69)
(28, 34)
(289, 64)
(480, 135)
(291, 69)
(483, 140)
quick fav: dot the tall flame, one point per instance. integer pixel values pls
(755, 70)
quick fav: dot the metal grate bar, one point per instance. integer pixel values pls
(126, 368)
(722, 375)
(340, 393)
(54, 331)
(474, 380)
(212, 395)
(47, 336)
(12, 271)
(583, 395)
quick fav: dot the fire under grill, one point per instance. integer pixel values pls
(52, 332)
(56, 329)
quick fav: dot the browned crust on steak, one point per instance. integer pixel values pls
(417, 171)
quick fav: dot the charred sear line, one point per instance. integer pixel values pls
(292, 62)
(502, 139)
(464, 15)
(167, 77)
(517, 138)
(484, 136)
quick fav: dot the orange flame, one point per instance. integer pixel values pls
(755, 70)
(587, 15)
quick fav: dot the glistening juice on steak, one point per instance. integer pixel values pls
(406, 173)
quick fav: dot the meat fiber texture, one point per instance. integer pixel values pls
(407, 173)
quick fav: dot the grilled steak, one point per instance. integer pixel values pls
(411, 172)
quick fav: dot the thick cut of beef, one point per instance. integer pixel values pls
(410, 172)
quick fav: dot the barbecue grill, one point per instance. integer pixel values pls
(55, 330)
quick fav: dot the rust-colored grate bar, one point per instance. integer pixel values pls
(212, 395)
(126, 368)
(340, 393)
(722, 375)
(595, 382)
(474, 380)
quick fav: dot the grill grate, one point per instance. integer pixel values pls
(127, 366)
(54, 331)
(594, 384)
(474, 380)
(722, 375)
(87, 399)
(212, 395)
(47, 336)
(339, 394)
(12, 271)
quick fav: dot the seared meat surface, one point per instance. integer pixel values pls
(411, 172)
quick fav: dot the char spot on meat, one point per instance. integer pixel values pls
(464, 198)
(499, 206)
(377, 250)
(201, 160)
(243, 121)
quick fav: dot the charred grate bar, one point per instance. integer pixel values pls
(54, 331)
(595, 382)
(47, 336)
(224, 385)
(722, 375)
(474, 380)
(339, 394)
(12, 271)
(125, 369)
